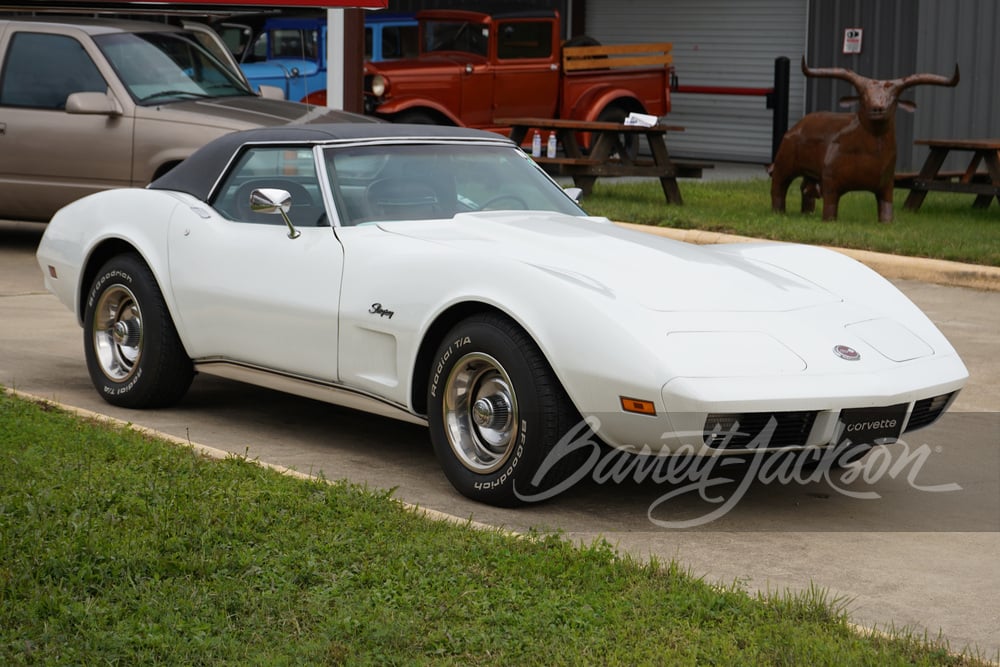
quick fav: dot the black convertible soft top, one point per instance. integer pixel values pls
(198, 174)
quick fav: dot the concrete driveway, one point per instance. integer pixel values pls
(913, 542)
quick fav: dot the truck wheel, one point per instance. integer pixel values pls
(134, 355)
(415, 117)
(581, 40)
(496, 410)
(626, 145)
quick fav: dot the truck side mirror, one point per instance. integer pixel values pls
(100, 104)
(271, 92)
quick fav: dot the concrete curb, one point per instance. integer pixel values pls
(939, 271)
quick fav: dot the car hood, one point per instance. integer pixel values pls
(427, 64)
(239, 113)
(653, 272)
(286, 68)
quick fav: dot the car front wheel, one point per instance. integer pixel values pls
(496, 413)
(134, 356)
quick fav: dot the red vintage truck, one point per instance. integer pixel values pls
(474, 68)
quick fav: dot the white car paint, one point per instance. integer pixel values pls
(695, 329)
(663, 346)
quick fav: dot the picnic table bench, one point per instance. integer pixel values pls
(985, 185)
(607, 155)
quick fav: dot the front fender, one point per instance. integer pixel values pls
(398, 105)
(570, 317)
(845, 277)
(160, 145)
(81, 237)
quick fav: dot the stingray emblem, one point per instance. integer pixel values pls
(845, 352)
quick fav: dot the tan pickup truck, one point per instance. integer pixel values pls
(87, 105)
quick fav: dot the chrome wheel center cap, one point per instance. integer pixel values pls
(126, 333)
(491, 412)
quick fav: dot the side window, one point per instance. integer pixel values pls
(41, 71)
(258, 50)
(525, 39)
(399, 42)
(236, 38)
(285, 168)
(293, 43)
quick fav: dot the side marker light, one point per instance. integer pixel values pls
(638, 406)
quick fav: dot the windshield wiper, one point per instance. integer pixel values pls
(172, 93)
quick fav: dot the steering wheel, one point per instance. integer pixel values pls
(521, 203)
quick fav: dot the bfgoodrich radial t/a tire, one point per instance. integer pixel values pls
(134, 355)
(496, 410)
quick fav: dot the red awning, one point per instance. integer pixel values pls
(188, 5)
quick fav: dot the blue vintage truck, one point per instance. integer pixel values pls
(289, 52)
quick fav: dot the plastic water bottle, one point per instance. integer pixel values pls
(550, 150)
(536, 145)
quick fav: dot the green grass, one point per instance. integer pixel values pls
(116, 548)
(945, 227)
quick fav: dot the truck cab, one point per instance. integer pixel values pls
(471, 68)
(290, 53)
(476, 69)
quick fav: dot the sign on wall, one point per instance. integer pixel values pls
(852, 40)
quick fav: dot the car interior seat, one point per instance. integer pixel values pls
(411, 198)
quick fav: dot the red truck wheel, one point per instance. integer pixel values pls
(626, 145)
(415, 117)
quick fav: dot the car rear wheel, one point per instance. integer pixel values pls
(134, 355)
(496, 411)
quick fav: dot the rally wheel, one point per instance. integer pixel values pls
(497, 413)
(134, 355)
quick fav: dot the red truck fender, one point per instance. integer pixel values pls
(599, 98)
(593, 105)
(398, 105)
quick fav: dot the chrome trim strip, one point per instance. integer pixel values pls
(319, 390)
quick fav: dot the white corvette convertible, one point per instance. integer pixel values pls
(438, 275)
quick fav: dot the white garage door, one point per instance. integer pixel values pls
(731, 43)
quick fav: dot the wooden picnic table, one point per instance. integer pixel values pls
(985, 185)
(607, 155)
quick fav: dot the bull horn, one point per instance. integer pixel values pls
(927, 79)
(850, 76)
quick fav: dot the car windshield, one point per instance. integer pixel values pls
(159, 67)
(455, 36)
(435, 181)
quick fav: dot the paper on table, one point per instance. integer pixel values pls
(643, 119)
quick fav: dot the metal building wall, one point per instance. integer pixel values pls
(715, 43)
(966, 33)
(903, 37)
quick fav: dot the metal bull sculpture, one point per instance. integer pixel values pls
(836, 153)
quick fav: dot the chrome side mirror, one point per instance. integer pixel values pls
(274, 201)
